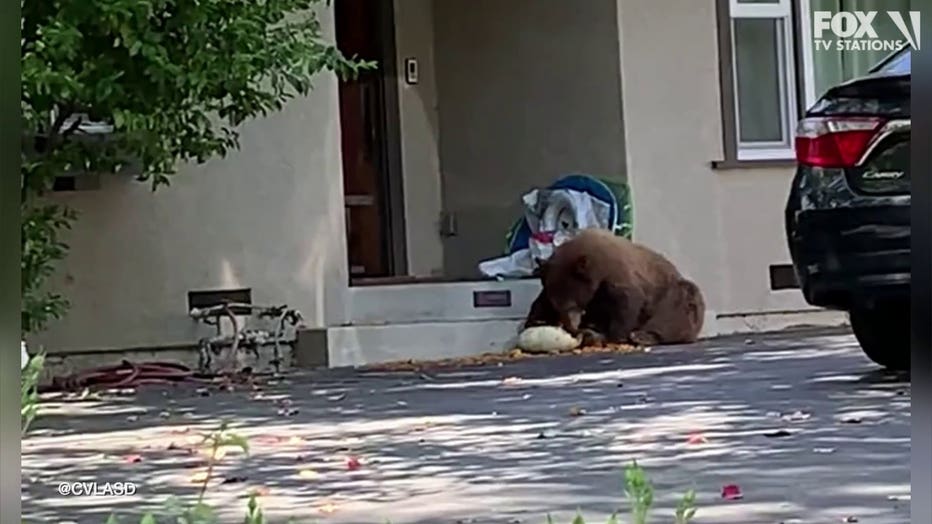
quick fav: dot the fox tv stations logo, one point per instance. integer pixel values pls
(855, 31)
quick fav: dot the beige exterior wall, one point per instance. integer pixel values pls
(724, 228)
(660, 128)
(528, 90)
(752, 226)
(269, 217)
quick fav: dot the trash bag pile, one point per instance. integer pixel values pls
(555, 214)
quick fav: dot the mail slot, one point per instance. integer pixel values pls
(497, 298)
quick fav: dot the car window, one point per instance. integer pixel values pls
(898, 64)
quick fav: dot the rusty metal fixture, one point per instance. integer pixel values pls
(243, 338)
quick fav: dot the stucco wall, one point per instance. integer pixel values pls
(517, 92)
(414, 38)
(527, 90)
(269, 217)
(752, 224)
(724, 228)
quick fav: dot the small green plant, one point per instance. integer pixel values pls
(640, 494)
(199, 512)
(216, 440)
(29, 401)
(254, 512)
(686, 509)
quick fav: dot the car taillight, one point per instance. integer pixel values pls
(834, 141)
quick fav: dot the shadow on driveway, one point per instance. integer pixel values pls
(499, 444)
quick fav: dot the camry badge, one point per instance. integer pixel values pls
(883, 175)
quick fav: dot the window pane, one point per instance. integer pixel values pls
(759, 75)
(834, 66)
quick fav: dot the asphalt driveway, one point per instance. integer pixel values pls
(808, 428)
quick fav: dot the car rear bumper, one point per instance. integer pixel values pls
(852, 256)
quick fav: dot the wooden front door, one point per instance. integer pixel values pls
(362, 120)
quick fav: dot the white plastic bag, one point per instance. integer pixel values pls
(546, 339)
(553, 216)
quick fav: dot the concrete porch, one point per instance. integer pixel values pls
(435, 321)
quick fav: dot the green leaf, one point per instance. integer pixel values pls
(201, 513)
(29, 396)
(253, 512)
(148, 518)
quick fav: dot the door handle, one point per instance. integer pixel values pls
(448, 226)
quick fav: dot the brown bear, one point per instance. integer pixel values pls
(609, 289)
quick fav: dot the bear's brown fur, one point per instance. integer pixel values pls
(610, 289)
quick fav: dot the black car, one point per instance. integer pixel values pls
(848, 216)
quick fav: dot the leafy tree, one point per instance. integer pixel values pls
(167, 81)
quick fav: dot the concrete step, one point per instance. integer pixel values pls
(368, 344)
(441, 302)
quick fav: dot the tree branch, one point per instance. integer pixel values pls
(72, 128)
(60, 118)
(49, 143)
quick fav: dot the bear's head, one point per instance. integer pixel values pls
(570, 285)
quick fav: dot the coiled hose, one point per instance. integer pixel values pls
(124, 375)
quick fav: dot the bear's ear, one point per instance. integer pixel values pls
(582, 266)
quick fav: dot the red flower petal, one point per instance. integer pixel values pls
(268, 439)
(731, 492)
(697, 438)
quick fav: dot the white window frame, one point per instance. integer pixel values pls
(777, 10)
(798, 87)
(806, 44)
